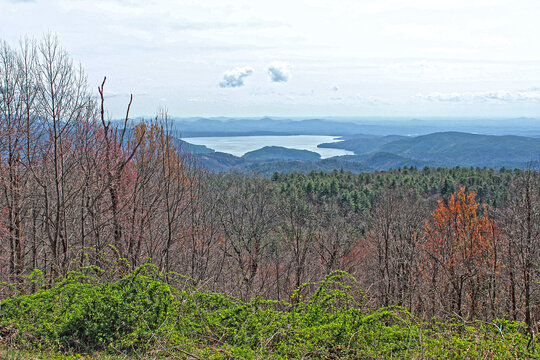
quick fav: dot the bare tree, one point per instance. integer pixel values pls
(298, 230)
(396, 222)
(11, 152)
(63, 102)
(247, 215)
(521, 224)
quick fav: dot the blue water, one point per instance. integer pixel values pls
(239, 145)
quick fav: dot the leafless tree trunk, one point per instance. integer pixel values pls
(247, 215)
(521, 223)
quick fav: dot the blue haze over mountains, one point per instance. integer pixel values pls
(377, 143)
(193, 127)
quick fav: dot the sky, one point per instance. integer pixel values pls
(414, 58)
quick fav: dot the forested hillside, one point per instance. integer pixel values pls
(317, 265)
(281, 153)
(447, 149)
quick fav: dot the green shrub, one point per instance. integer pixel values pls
(141, 313)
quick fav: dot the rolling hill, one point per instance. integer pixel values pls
(281, 153)
(450, 149)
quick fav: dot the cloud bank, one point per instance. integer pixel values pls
(532, 95)
(279, 71)
(235, 77)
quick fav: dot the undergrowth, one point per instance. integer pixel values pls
(142, 316)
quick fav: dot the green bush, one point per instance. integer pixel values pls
(82, 313)
(141, 313)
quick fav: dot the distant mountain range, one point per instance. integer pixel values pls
(444, 149)
(203, 127)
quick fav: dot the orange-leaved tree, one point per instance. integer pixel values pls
(460, 253)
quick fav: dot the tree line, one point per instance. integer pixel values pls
(78, 190)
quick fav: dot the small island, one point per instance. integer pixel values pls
(281, 153)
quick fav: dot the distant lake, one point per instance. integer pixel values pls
(239, 145)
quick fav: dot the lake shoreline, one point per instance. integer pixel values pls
(240, 145)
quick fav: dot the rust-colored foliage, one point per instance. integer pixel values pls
(460, 247)
(458, 236)
(156, 145)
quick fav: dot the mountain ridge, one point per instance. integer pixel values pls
(441, 149)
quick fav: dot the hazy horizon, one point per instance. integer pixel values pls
(348, 117)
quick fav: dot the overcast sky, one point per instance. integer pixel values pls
(299, 57)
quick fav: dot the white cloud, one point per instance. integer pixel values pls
(415, 31)
(279, 71)
(370, 100)
(109, 94)
(484, 96)
(235, 77)
(197, 99)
